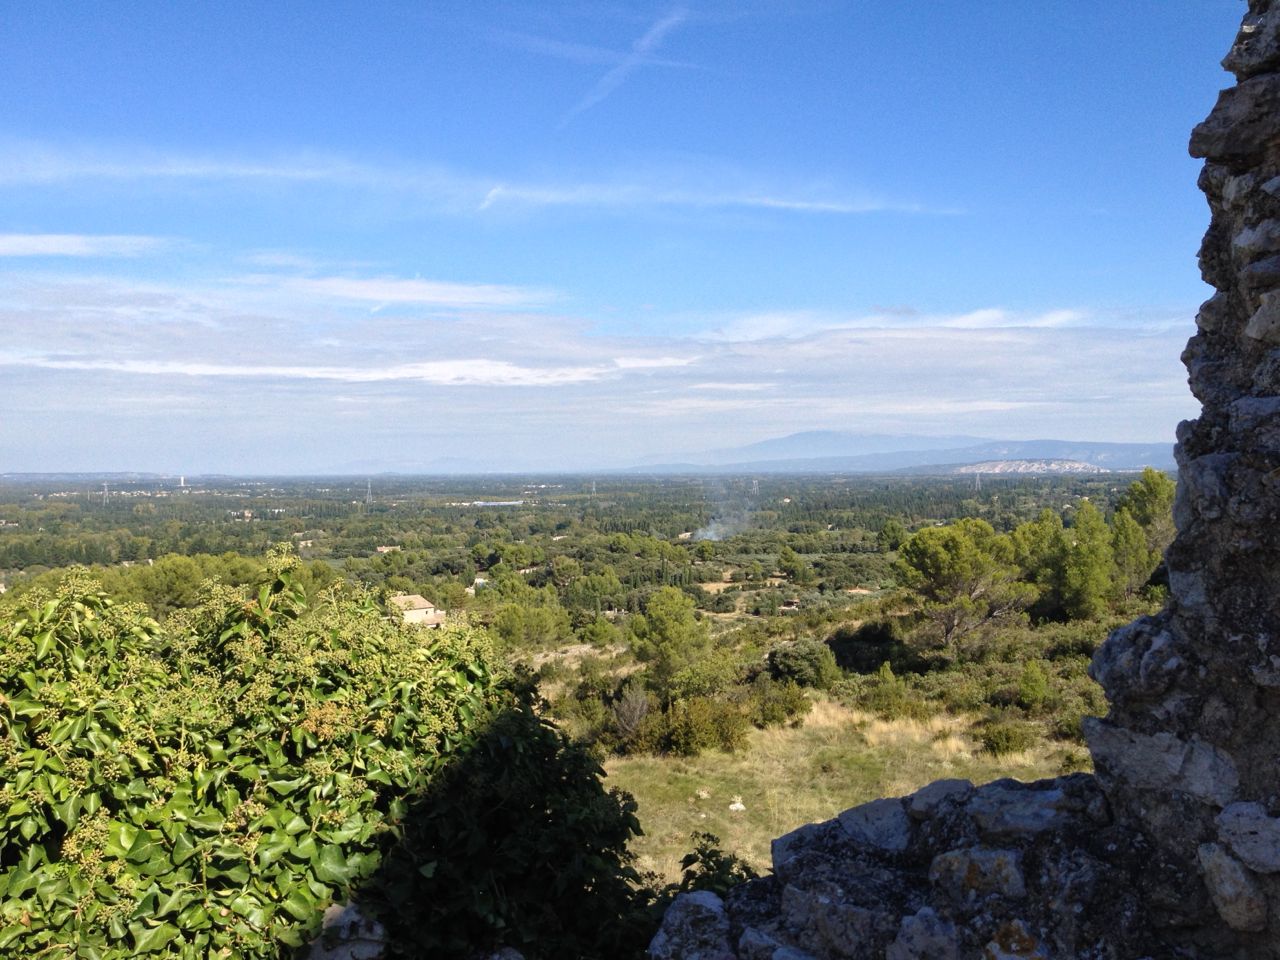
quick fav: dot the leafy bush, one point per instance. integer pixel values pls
(688, 727)
(772, 703)
(208, 788)
(516, 843)
(891, 698)
(1000, 737)
(707, 867)
(808, 662)
(864, 648)
(1033, 686)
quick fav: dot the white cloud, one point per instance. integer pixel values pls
(95, 351)
(641, 50)
(652, 363)
(459, 372)
(388, 290)
(639, 194)
(575, 52)
(77, 245)
(792, 324)
(742, 387)
(692, 186)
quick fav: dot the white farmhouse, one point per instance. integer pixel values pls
(415, 608)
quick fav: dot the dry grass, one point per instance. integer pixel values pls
(790, 776)
(716, 586)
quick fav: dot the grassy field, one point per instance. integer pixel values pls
(789, 776)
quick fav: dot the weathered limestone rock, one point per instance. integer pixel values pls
(1238, 900)
(924, 936)
(1252, 836)
(695, 928)
(926, 801)
(1172, 850)
(882, 823)
(967, 875)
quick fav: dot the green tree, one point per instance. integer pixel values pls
(966, 574)
(1086, 564)
(891, 535)
(1134, 560)
(668, 637)
(1150, 501)
(794, 567)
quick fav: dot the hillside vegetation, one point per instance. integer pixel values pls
(208, 741)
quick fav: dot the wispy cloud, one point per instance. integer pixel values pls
(641, 50)
(76, 245)
(396, 290)
(748, 386)
(308, 350)
(652, 363)
(693, 186)
(34, 163)
(624, 195)
(576, 52)
(798, 324)
(460, 372)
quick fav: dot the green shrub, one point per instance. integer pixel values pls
(808, 662)
(208, 788)
(1067, 722)
(688, 727)
(1000, 737)
(707, 867)
(891, 698)
(1033, 686)
(772, 703)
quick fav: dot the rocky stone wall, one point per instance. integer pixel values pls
(1173, 849)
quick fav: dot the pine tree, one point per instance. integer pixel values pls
(1086, 571)
(1134, 561)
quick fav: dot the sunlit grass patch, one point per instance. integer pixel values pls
(789, 776)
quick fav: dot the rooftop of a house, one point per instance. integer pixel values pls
(412, 601)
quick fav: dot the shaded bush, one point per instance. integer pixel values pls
(688, 727)
(864, 648)
(771, 702)
(1001, 737)
(707, 867)
(808, 662)
(518, 844)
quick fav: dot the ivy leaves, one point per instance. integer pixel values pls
(212, 788)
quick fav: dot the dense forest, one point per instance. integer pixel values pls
(208, 680)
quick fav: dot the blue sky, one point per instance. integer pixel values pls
(297, 237)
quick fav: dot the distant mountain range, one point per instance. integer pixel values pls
(837, 452)
(819, 451)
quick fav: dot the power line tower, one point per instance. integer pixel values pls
(755, 488)
(104, 494)
(977, 483)
(368, 493)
